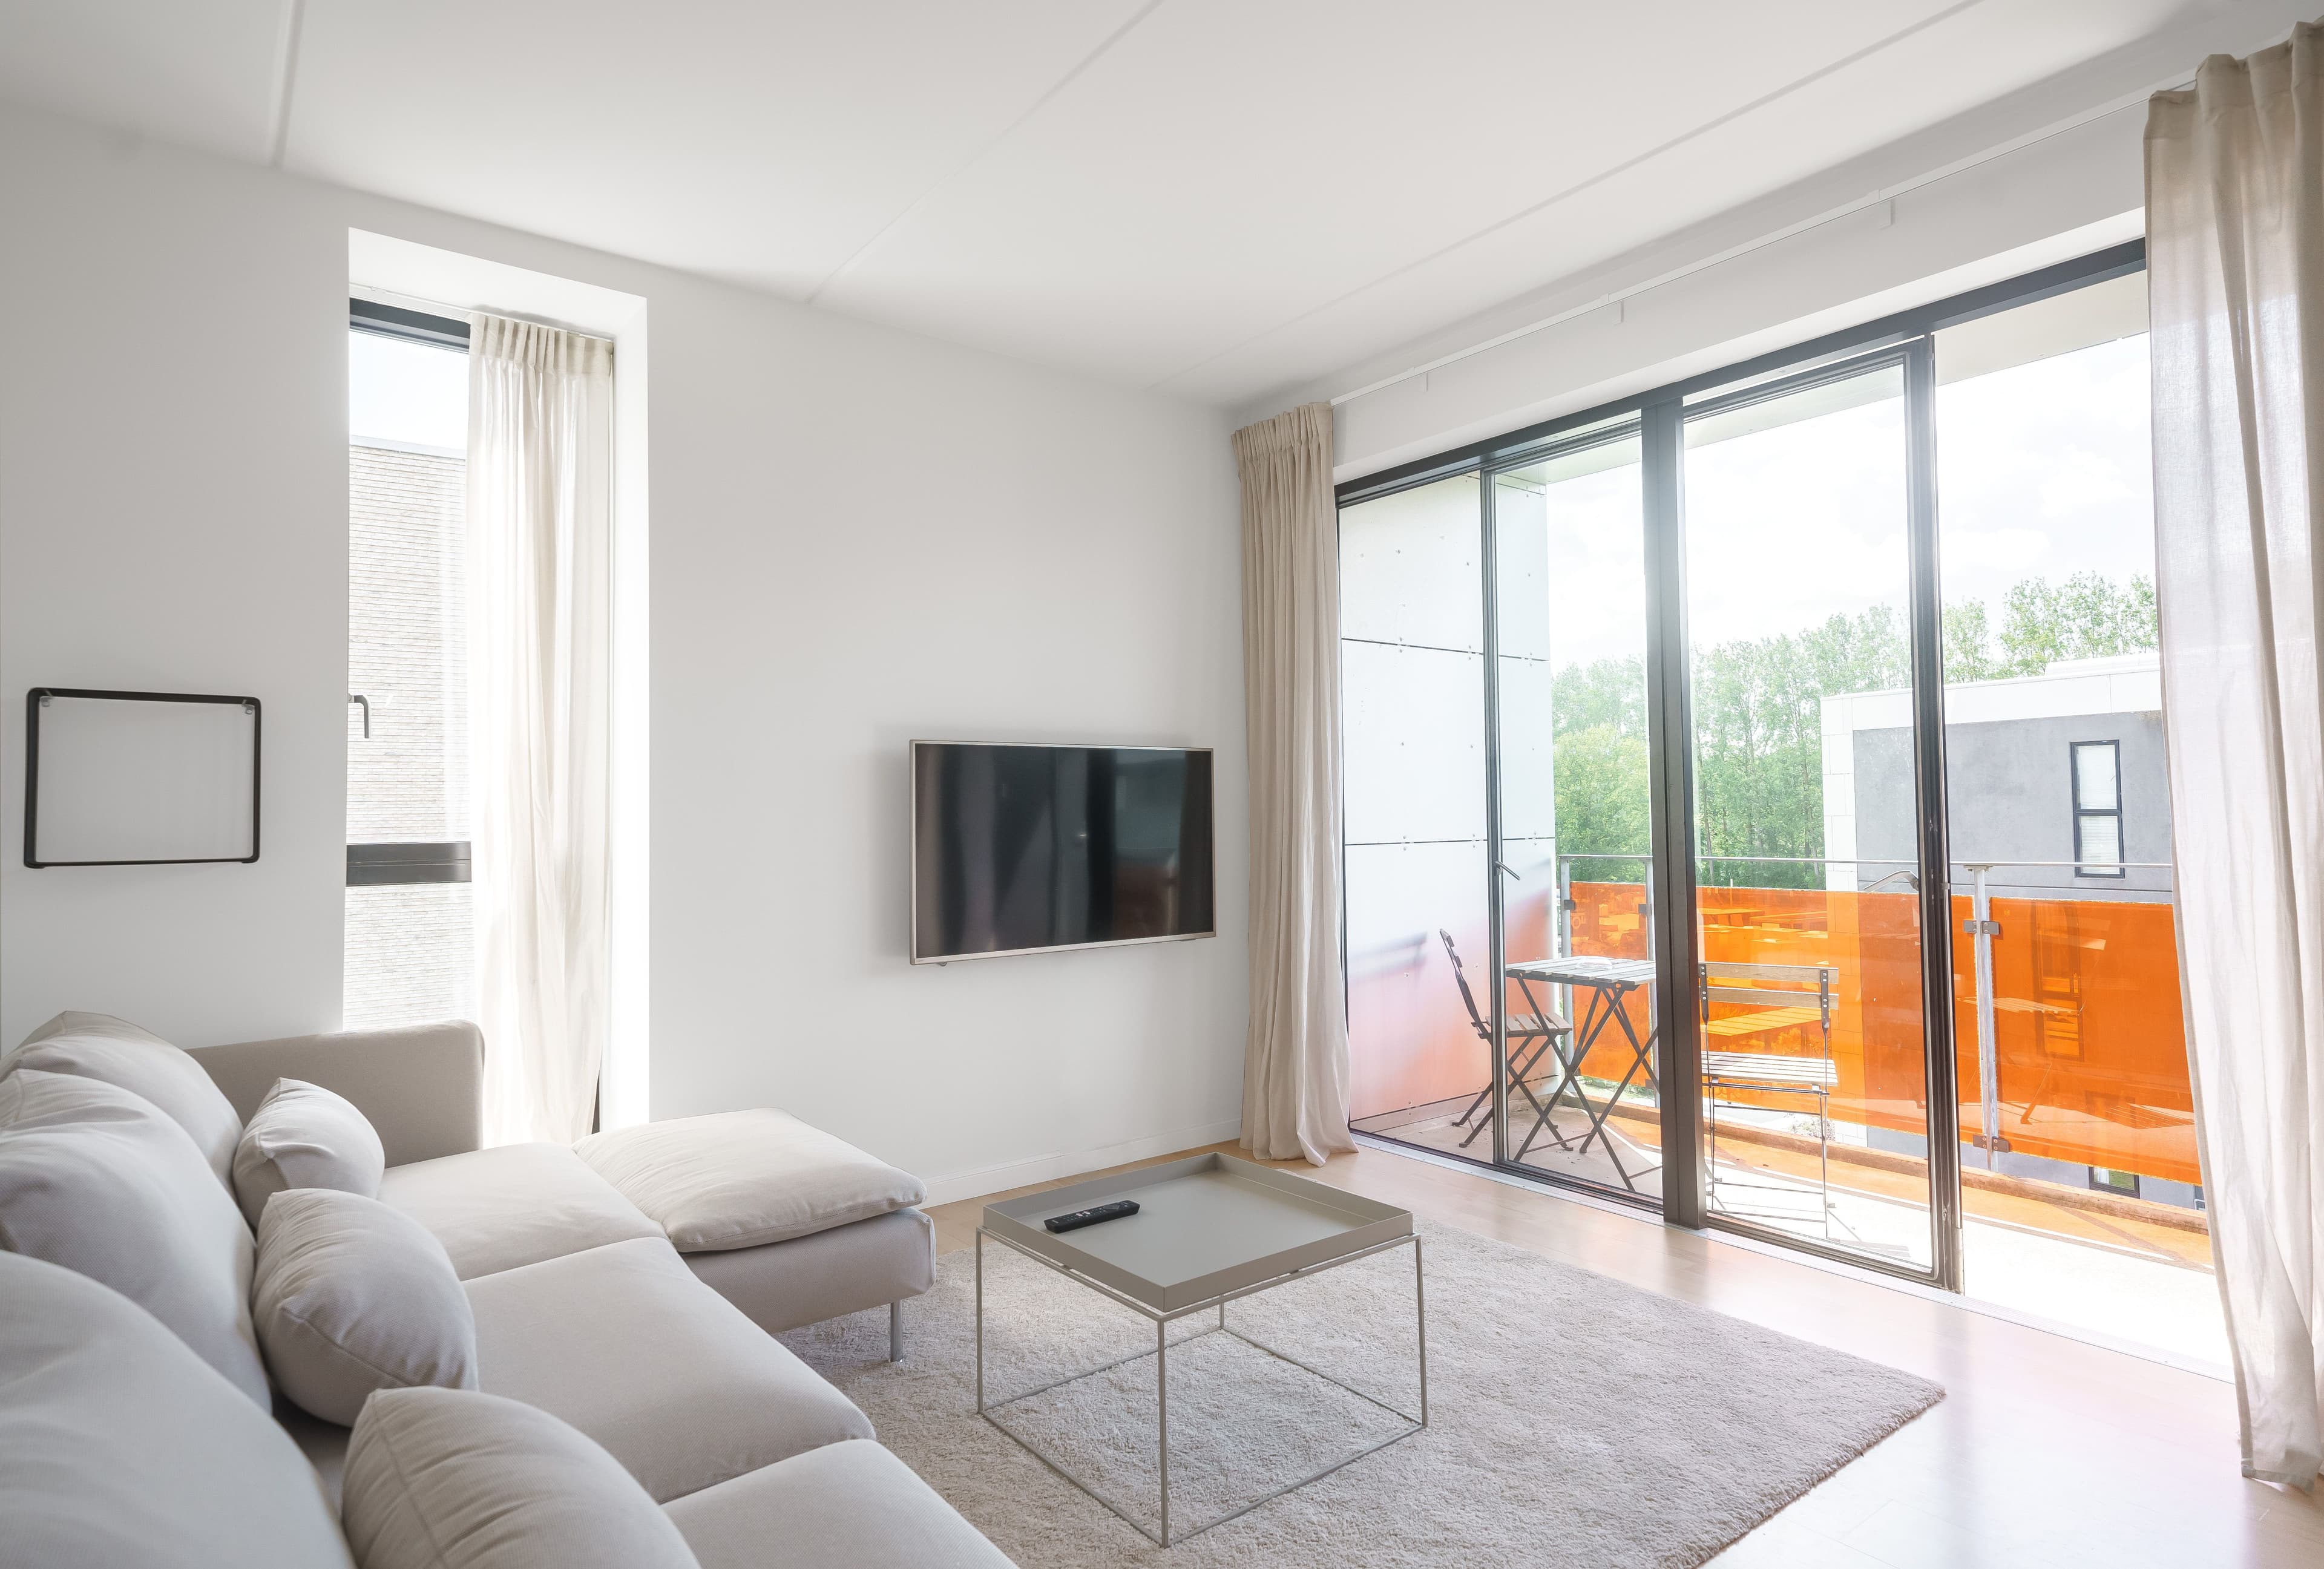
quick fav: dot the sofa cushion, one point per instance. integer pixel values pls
(440, 1479)
(851, 1504)
(736, 1179)
(98, 1045)
(350, 1296)
(120, 1447)
(514, 1205)
(783, 1286)
(304, 1136)
(97, 1180)
(626, 1344)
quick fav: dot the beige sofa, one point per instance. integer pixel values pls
(583, 1307)
(496, 1209)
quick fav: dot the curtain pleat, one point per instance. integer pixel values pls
(539, 648)
(1294, 1098)
(2235, 176)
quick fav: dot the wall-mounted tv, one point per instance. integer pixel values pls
(1018, 848)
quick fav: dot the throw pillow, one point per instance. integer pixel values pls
(119, 1447)
(96, 1179)
(98, 1045)
(442, 1478)
(352, 1297)
(303, 1135)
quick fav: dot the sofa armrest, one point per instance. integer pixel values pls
(420, 1086)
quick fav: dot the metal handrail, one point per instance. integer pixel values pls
(1851, 859)
(1980, 927)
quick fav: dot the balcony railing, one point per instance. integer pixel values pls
(2068, 1032)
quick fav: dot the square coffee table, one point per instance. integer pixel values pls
(1209, 1230)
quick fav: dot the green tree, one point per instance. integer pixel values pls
(1969, 655)
(1759, 718)
(1607, 692)
(1601, 798)
(2087, 616)
(1759, 728)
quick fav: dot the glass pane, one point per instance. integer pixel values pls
(2083, 1205)
(2095, 786)
(1814, 1082)
(406, 956)
(1412, 671)
(1570, 559)
(412, 955)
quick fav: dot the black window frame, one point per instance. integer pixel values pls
(2082, 866)
(1661, 414)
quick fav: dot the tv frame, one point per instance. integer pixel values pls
(911, 807)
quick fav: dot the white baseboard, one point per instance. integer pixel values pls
(1052, 1167)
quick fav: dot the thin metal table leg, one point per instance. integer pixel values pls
(1420, 1308)
(980, 1321)
(1162, 1391)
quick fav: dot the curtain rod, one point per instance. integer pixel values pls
(462, 312)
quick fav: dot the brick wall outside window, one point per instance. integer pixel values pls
(410, 953)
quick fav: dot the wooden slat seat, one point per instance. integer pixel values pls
(1742, 1067)
(1760, 1020)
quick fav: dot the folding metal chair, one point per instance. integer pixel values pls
(1536, 1032)
(1763, 1073)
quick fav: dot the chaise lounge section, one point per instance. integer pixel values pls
(787, 1222)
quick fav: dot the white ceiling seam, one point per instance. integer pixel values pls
(1059, 86)
(286, 81)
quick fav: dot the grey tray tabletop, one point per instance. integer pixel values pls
(1206, 1226)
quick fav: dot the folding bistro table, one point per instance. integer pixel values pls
(1610, 982)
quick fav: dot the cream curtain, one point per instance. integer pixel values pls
(2235, 216)
(540, 434)
(1294, 1079)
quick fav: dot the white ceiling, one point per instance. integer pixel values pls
(1218, 198)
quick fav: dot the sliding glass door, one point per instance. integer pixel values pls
(1651, 883)
(1581, 1100)
(1808, 944)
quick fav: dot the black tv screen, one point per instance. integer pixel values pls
(1020, 848)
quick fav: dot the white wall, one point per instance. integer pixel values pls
(856, 537)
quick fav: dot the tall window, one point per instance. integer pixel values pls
(409, 950)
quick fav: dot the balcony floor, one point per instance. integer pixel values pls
(2113, 1275)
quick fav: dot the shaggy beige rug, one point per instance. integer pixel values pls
(1573, 1419)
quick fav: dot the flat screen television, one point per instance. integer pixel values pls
(1018, 848)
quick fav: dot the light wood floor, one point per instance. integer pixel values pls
(2046, 1451)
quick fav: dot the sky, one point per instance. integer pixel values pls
(2043, 470)
(409, 394)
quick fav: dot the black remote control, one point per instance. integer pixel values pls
(1090, 1217)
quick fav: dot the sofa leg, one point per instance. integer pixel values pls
(896, 1330)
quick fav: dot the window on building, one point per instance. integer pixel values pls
(409, 954)
(2097, 808)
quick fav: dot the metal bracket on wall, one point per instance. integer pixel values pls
(359, 697)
